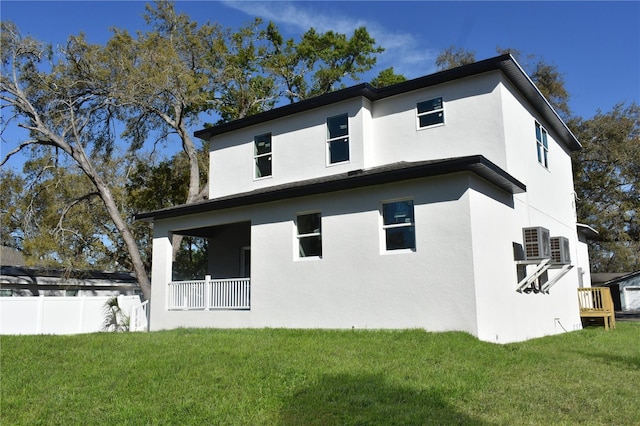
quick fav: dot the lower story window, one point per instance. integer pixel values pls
(309, 235)
(399, 225)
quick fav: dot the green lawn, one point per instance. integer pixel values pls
(319, 377)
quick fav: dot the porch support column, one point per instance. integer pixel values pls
(161, 273)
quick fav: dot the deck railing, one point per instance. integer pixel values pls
(596, 302)
(209, 294)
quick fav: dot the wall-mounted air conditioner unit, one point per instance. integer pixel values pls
(560, 253)
(536, 243)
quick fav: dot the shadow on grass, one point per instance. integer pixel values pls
(369, 400)
(627, 362)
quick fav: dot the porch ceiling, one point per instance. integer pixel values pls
(207, 232)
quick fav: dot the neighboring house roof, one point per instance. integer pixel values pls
(623, 277)
(396, 172)
(11, 257)
(587, 231)
(23, 277)
(505, 63)
(599, 278)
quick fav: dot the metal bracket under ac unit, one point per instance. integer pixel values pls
(527, 283)
(563, 271)
(541, 268)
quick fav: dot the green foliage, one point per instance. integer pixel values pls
(333, 56)
(157, 186)
(547, 78)
(11, 210)
(47, 218)
(387, 77)
(550, 82)
(453, 57)
(244, 89)
(192, 260)
(607, 183)
(320, 377)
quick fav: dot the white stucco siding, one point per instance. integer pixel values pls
(582, 261)
(505, 315)
(549, 190)
(299, 149)
(549, 202)
(355, 283)
(472, 123)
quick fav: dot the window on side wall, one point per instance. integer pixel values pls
(430, 113)
(338, 139)
(542, 145)
(309, 235)
(398, 225)
(262, 155)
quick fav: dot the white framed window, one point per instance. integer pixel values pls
(338, 139)
(262, 156)
(398, 225)
(309, 235)
(430, 113)
(542, 146)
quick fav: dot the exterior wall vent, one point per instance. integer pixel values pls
(560, 253)
(536, 243)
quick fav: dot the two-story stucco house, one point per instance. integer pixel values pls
(444, 203)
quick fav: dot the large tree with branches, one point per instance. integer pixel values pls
(64, 106)
(155, 85)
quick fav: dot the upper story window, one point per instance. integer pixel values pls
(542, 146)
(262, 155)
(338, 139)
(398, 225)
(309, 235)
(430, 113)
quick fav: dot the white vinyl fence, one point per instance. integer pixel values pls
(65, 315)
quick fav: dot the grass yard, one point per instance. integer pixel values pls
(319, 377)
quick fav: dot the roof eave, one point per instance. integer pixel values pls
(505, 63)
(476, 164)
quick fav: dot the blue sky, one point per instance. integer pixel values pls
(596, 45)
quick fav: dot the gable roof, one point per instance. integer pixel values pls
(504, 63)
(624, 277)
(360, 178)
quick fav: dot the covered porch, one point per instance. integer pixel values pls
(215, 271)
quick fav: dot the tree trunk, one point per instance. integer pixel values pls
(123, 228)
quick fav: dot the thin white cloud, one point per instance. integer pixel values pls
(403, 51)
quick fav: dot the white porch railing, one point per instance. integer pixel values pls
(208, 294)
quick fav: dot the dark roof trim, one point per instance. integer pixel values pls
(588, 231)
(396, 172)
(505, 63)
(622, 278)
(37, 272)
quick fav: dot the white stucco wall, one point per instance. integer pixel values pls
(299, 149)
(473, 123)
(380, 132)
(355, 283)
(462, 275)
(505, 315)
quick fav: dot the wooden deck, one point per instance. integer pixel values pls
(596, 302)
